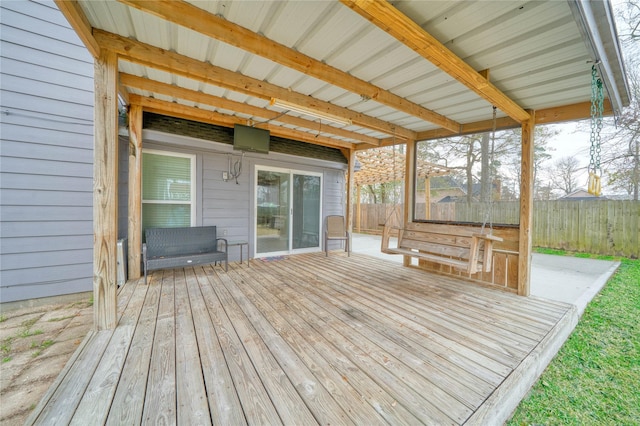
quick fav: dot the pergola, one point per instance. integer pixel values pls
(383, 165)
(388, 73)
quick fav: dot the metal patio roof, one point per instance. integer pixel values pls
(400, 70)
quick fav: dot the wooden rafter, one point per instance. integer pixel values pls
(76, 17)
(579, 111)
(159, 88)
(400, 26)
(174, 63)
(197, 19)
(381, 165)
(206, 116)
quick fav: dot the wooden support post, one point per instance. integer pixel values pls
(409, 188)
(352, 162)
(526, 206)
(358, 209)
(105, 192)
(135, 191)
(427, 198)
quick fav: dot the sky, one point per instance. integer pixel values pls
(573, 139)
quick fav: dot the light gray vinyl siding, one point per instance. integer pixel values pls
(230, 206)
(46, 154)
(226, 204)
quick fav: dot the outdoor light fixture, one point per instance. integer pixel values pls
(308, 111)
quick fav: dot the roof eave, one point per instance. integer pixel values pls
(597, 25)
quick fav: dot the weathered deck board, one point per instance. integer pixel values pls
(391, 374)
(224, 405)
(490, 333)
(436, 318)
(326, 408)
(96, 400)
(192, 406)
(63, 403)
(318, 357)
(398, 341)
(310, 339)
(284, 397)
(255, 400)
(161, 383)
(128, 401)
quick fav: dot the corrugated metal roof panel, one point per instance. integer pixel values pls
(533, 49)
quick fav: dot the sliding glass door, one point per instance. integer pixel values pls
(288, 211)
(305, 231)
(273, 211)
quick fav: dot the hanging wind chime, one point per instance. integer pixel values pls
(597, 106)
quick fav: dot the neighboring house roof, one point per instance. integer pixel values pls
(581, 194)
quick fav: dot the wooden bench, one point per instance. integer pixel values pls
(179, 247)
(459, 247)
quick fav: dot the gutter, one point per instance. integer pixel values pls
(597, 26)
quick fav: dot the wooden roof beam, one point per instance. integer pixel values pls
(79, 22)
(393, 141)
(573, 112)
(211, 117)
(400, 26)
(174, 63)
(192, 17)
(165, 89)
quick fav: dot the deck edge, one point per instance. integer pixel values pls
(503, 401)
(33, 417)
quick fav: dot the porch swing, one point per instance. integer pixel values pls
(447, 244)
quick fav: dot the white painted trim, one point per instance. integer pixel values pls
(193, 203)
(254, 224)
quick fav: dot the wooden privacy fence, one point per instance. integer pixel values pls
(608, 227)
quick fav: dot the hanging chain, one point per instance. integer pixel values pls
(488, 215)
(597, 109)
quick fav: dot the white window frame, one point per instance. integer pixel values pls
(192, 203)
(254, 225)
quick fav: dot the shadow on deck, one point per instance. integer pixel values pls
(309, 339)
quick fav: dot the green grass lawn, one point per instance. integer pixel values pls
(595, 378)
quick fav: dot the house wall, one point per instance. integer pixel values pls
(228, 205)
(46, 154)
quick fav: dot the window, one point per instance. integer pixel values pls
(168, 189)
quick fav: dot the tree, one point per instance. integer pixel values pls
(629, 15)
(562, 174)
(501, 162)
(620, 156)
(450, 151)
(384, 193)
(510, 164)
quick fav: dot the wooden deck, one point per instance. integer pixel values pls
(310, 339)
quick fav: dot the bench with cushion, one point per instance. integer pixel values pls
(179, 247)
(459, 247)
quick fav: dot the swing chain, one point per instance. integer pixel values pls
(488, 216)
(597, 109)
